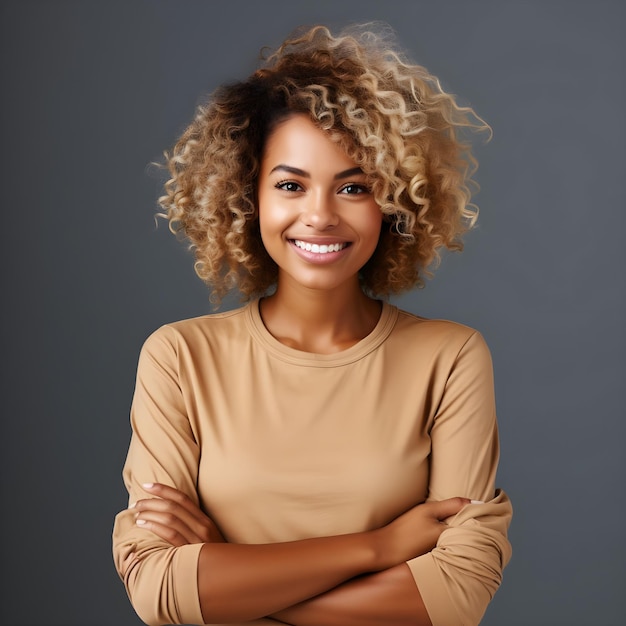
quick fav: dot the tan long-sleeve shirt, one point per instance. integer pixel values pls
(277, 445)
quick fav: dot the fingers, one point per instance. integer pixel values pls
(175, 495)
(171, 531)
(173, 516)
(153, 513)
(446, 508)
(168, 512)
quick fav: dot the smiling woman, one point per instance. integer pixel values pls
(321, 225)
(317, 456)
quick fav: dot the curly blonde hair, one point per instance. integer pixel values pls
(391, 117)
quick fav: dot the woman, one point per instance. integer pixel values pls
(317, 456)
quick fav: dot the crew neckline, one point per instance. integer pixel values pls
(380, 332)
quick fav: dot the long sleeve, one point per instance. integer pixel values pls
(259, 434)
(460, 576)
(161, 581)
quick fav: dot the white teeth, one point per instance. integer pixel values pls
(317, 249)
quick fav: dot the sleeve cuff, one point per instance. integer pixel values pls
(429, 581)
(185, 579)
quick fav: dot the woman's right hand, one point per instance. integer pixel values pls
(173, 516)
(415, 532)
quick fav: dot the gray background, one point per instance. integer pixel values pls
(94, 91)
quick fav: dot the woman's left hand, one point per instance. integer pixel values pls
(174, 517)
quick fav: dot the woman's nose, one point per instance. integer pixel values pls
(320, 212)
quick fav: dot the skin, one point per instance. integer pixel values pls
(350, 580)
(309, 190)
(312, 192)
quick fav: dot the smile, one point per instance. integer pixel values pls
(320, 249)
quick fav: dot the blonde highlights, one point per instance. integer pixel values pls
(391, 117)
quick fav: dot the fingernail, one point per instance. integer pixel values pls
(132, 506)
(140, 522)
(148, 485)
(477, 502)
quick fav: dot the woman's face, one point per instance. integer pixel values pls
(318, 219)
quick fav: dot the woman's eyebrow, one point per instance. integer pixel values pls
(298, 172)
(353, 171)
(291, 170)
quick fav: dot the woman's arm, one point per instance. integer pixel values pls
(389, 597)
(459, 577)
(160, 574)
(244, 582)
(160, 569)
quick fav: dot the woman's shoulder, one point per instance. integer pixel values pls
(210, 321)
(412, 322)
(439, 334)
(202, 329)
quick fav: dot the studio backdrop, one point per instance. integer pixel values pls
(93, 92)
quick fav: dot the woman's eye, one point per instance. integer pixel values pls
(288, 185)
(354, 189)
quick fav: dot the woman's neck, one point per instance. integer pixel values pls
(319, 321)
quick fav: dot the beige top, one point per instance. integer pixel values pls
(278, 444)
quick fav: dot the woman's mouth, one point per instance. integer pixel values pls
(320, 248)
